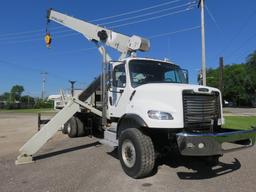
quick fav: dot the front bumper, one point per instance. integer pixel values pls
(208, 144)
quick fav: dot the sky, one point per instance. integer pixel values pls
(173, 30)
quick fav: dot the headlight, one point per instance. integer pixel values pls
(159, 115)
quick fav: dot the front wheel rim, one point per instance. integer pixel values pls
(128, 153)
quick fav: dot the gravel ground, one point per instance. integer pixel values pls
(82, 164)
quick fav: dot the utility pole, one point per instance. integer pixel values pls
(72, 87)
(44, 76)
(201, 4)
(221, 74)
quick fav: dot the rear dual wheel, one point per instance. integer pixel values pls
(65, 128)
(75, 127)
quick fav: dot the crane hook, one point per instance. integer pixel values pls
(48, 39)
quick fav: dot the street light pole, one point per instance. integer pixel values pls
(201, 4)
(72, 87)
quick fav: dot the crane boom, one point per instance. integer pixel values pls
(122, 43)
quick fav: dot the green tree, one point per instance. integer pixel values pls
(5, 97)
(16, 92)
(251, 68)
(251, 76)
(212, 77)
(239, 81)
(235, 84)
(27, 99)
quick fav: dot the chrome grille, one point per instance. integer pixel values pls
(201, 111)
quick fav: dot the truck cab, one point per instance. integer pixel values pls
(158, 92)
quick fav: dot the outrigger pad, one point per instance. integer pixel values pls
(24, 159)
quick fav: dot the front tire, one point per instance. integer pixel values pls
(136, 153)
(212, 160)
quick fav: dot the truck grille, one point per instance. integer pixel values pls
(201, 111)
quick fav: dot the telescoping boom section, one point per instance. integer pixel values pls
(120, 42)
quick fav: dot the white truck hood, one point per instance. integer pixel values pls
(166, 97)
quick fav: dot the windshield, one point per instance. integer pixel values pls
(144, 71)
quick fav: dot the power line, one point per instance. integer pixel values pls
(190, 7)
(19, 66)
(174, 32)
(94, 20)
(8, 63)
(26, 36)
(241, 29)
(147, 14)
(213, 18)
(150, 37)
(39, 39)
(152, 18)
(137, 11)
(20, 35)
(74, 51)
(242, 45)
(28, 32)
(57, 76)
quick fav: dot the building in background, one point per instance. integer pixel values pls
(60, 100)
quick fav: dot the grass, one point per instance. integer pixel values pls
(26, 110)
(240, 122)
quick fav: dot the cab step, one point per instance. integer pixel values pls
(110, 137)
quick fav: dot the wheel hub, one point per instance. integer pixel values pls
(128, 153)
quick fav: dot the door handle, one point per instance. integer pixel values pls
(120, 91)
(110, 101)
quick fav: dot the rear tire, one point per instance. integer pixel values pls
(65, 128)
(72, 129)
(136, 153)
(80, 127)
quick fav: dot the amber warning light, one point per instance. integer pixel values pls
(48, 40)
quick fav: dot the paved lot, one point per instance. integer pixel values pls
(82, 164)
(240, 111)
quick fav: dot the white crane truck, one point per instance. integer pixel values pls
(146, 107)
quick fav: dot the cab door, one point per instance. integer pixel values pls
(119, 92)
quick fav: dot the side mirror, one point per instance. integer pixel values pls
(185, 74)
(109, 85)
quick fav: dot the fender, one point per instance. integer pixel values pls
(130, 120)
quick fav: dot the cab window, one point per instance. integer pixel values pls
(119, 77)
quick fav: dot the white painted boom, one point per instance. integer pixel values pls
(122, 43)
